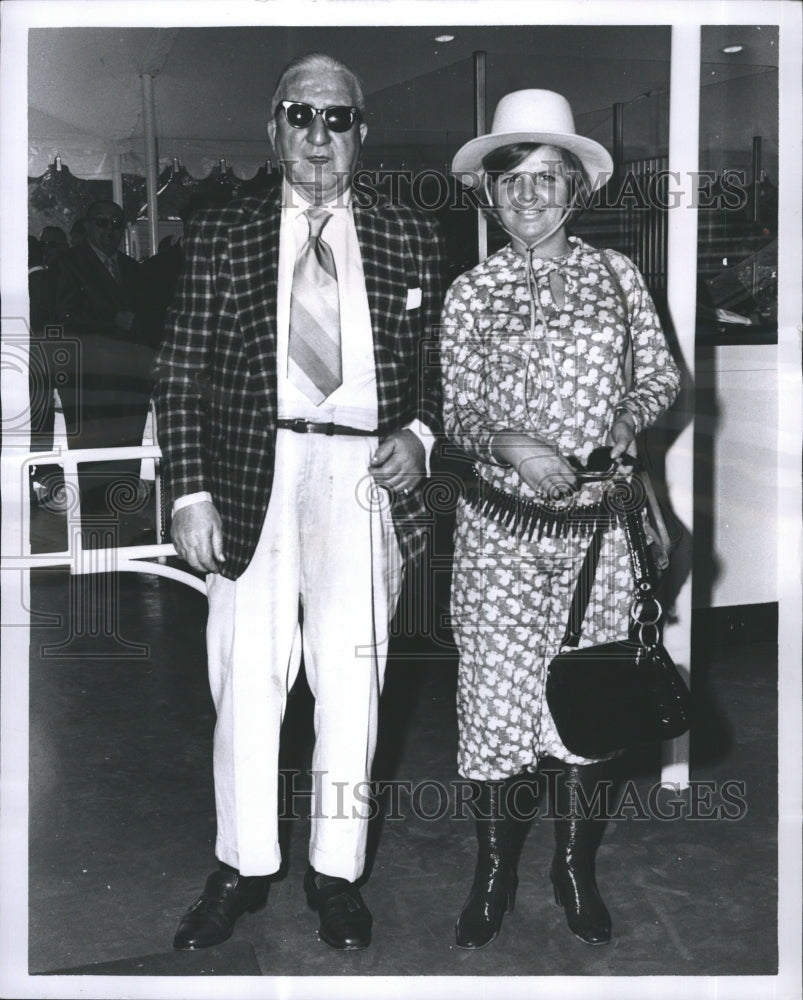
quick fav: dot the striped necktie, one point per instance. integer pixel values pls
(112, 268)
(314, 359)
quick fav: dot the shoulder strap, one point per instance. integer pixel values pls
(582, 591)
(652, 499)
(617, 284)
(646, 610)
(585, 581)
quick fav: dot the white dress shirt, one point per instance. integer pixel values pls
(354, 402)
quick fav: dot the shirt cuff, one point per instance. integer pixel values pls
(190, 498)
(425, 436)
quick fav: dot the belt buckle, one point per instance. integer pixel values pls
(313, 427)
(299, 426)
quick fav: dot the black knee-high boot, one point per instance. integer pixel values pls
(576, 840)
(493, 892)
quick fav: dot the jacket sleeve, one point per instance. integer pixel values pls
(182, 371)
(433, 268)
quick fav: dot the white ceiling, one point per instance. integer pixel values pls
(212, 85)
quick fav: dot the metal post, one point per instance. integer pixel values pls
(755, 213)
(684, 127)
(480, 128)
(117, 179)
(618, 138)
(117, 191)
(151, 163)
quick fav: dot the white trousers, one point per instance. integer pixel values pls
(327, 544)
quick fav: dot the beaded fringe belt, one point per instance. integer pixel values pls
(532, 519)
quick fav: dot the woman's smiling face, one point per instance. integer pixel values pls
(532, 197)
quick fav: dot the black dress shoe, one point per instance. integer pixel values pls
(345, 919)
(226, 896)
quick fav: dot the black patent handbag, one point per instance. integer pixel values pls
(606, 698)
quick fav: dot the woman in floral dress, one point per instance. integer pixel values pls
(550, 349)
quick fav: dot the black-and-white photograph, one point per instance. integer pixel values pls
(495, 313)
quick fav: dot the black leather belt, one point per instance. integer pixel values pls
(311, 427)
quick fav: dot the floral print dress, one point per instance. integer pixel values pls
(548, 357)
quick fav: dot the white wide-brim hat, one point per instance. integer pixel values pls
(540, 116)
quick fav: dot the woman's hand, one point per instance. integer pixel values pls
(622, 434)
(537, 463)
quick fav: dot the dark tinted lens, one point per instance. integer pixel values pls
(339, 119)
(299, 115)
(103, 223)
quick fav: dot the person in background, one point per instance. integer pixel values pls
(37, 285)
(295, 419)
(46, 478)
(535, 346)
(53, 241)
(106, 398)
(78, 233)
(159, 274)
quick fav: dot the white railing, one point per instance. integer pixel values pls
(117, 559)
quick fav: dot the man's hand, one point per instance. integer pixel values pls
(197, 534)
(399, 462)
(537, 463)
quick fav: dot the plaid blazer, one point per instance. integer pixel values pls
(215, 394)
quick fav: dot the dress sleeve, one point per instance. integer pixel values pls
(655, 380)
(464, 362)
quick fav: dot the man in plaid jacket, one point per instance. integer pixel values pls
(299, 511)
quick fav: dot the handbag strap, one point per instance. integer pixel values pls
(646, 611)
(582, 591)
(656, 513)
(617, 284)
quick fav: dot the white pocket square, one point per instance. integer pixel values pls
(413, 298)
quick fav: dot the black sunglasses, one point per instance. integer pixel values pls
(600, 466)
(299, 115)
(103, 223)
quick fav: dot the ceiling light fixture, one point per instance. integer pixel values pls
(731, 49)
(444, 38)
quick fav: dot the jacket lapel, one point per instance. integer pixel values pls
(254, 262)
(254, 259)
(381, 242)
(100, 275)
